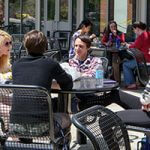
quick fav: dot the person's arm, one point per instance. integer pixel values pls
(145, 98)
(122, 38)
(63, 79)
(92, 36)
(104, 39)
(138, 43)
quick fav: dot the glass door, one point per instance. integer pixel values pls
(58, 14)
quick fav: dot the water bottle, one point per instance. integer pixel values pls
(117, 42)
(109, 40)
(110, 37)
(99, 76)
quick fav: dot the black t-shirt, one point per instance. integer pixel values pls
(40, 71)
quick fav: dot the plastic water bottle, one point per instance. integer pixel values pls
(117, 42)
(109, 40)
(99, 76)
(110, 37)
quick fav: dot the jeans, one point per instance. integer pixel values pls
(128, 72)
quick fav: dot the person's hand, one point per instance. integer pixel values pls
(114, 32)
(126, 45)
(55, 85)
(109, 43)
(92, 36)
(146, 107)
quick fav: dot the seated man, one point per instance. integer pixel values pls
(37, 69)
(86, 64)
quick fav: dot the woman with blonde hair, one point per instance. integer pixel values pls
(5, 67)
(5, 48)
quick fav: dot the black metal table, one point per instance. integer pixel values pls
(83, 85)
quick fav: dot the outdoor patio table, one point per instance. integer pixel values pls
(82, 85)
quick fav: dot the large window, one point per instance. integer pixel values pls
(21, 16)
(51, 9)
(102, 11)
(123, 12)
(63, 10)
(91, 11)
(74, 14)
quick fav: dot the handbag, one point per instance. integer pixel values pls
(123, 54)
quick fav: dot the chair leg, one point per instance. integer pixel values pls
(81, 138)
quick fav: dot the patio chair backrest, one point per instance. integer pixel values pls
(16, 50)
(103, 128)
(64, 38)
(26, 113)
(55, 47)
(65, 44)
(141, 67)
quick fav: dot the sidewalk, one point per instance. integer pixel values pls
(133, 136)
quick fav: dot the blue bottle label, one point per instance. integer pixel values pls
(99, 74)
(117, 42)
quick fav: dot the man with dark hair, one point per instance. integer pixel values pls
(37, 69)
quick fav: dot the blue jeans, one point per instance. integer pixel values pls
(128, 71)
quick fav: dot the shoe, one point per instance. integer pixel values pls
(131, 87)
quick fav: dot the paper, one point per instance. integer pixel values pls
(70, 70)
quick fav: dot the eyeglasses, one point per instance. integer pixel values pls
(8, 43)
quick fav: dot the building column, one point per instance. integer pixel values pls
(6, 9)
(38, 14)
(141, 10)
(80, 11)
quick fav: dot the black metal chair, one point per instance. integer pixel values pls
(16, 51)
(52, 54)
(55, 47)
(98, 50)
(22, 123)
(64, 38)
(141, 67)
(103, 127)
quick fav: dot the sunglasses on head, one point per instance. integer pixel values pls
(8, 43)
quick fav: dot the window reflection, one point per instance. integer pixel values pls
(51, 9)
(21, 16)
(63, 10)
(92, 12)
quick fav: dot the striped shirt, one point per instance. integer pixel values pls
(145, 97)
(87, 67)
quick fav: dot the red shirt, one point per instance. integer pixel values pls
(142, 43)
(121, 35)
